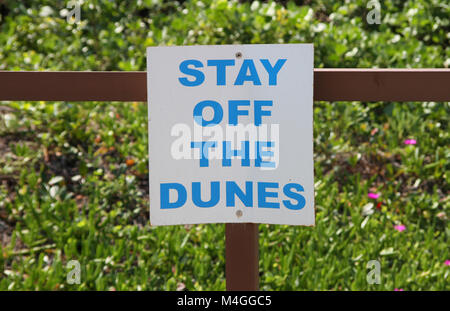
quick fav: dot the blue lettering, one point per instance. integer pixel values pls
(287, 189)
(204, 150)
(259, 112)
(165, 195)
(221, 67)
(243, 76)
(263, 194)
(264, 153)
(197, 198)
(199, 76)
(198, 113)
(234, 112)
(273, 71)
(244, 153)
(234, 190)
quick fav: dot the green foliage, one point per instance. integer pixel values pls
(73, 176)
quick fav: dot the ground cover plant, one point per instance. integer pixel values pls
(74, 176)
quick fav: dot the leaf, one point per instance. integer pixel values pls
(76, 178)
(367, 209)
(387, 251)
(55, 180)
(364, 222)
(54, 191)
(82, 223)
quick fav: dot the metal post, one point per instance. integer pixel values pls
(241, 257)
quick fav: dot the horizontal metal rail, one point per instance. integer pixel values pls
(329, 85)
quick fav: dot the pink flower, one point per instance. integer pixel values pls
(410, 141)
(400, 228)
(373, 195)
(398, 289)
(447, 262)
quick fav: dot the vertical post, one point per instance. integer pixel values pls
(241, 257)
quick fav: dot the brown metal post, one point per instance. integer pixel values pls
(241, 257)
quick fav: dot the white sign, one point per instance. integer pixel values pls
(231, 134)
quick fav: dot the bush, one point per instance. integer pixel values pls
(74, 180)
